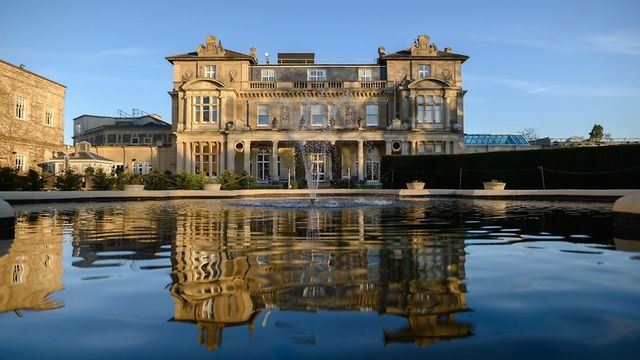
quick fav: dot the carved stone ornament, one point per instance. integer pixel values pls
(446, 75)
(284, 115)
(212, 47)
(187, 75)
(350, 116)
(422, 46)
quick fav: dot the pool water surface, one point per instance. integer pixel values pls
(371, 278)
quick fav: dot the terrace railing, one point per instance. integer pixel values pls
(315, 84)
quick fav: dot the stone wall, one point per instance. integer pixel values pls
(31, 138)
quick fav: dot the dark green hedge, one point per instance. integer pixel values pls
(601, 167)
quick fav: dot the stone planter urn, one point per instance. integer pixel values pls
(494, 185)
(415, 185)
(212, 187)
(133, 187)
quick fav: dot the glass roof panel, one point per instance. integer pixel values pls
(495, 139)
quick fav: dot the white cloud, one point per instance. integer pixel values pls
(543, 89)
(620, 42)
(623, 42)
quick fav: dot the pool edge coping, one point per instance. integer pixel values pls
(22, 197)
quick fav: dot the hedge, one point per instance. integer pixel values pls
(597, 167)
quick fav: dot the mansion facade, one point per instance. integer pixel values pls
(230, 112)
(31, 118)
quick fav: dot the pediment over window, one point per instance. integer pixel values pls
(429, 84)
(203, 84)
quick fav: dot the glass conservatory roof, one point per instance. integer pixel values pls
(495, 139)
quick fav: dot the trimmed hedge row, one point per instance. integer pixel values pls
(602, 167)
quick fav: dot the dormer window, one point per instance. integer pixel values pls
(83, 146)
(364, 74)
(316, 75)
(267, 75)
(210, 71)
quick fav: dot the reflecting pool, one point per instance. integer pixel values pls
(370, 278)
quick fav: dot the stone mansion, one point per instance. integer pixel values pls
(230, 112)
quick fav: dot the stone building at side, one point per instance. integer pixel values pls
(140, 143)
(230, 112)
(31, 118)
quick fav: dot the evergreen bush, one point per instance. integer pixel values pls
(590, 167)
(101, 180)
(69, 181)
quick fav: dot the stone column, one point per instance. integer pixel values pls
(360, 159)
(188, 158)
(180, 146)
(274, 161)
(445, 109)
(188, 121)
(412, 112)
(247, 156)
(219, 116)
(230, 155)
(218, 157)
(405, 147)
(387, 147)
(213, 157)
(404, 106)
(332, 156)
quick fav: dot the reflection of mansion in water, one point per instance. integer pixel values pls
(31, 267)
(231, 113)
(223, 279)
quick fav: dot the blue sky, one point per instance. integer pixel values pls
(557, 66)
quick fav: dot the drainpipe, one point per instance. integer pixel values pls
(124, 158)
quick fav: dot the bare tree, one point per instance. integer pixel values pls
(529, 134)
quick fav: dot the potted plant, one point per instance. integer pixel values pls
(415, 185)
(212, 185)
(494, 185)
(132, 182)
